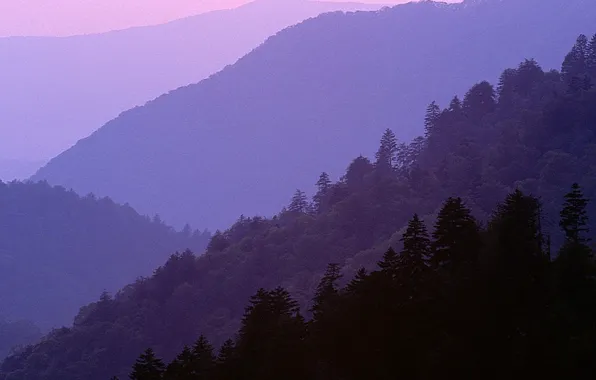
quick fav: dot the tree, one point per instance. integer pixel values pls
(591, 59)
(203, 359)
(147, 367)
(456, 236)
(323, 188)
(218, 243)
(574, 64)
(390, 261)
(357, 172)
(430, 119)
(574, 217)
(326, 292)
(181, 367)
(387, 154)
(416, 250)
(479, 101)
(299, 203)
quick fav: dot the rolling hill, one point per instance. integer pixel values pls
(310, 98)
(59, 251)
(57, 90)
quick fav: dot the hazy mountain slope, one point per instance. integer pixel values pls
(321, 92)
(58, 90)
(496, 140)
(59, 251)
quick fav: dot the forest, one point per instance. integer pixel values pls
(59, 251)
(456, 302)
(509, 289)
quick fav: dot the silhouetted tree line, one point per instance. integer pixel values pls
(461, 301)
(534, 132)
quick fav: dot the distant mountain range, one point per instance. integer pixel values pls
(59, 251)
(58, 90)
(309, 99)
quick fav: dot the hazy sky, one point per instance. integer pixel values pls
(67, 17)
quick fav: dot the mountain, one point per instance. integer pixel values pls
(59, 251)
(317, 93)
(62, 89)
(534, 131)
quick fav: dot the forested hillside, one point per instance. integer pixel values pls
(59, 251)
(318, 93)
(534, 131)
(455, 301)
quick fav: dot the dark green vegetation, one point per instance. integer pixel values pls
(319, 93)
(462, 302)
(16, 334)
(59, 251)
(535, 132)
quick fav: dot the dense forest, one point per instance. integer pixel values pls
(532, 134)
(461, 301)
(59, 251)
(312, 97)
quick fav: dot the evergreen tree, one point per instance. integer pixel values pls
(147, 367)
(203, 359)
(181, 368)
(456, 236)
(575, 64)
(430, 119)
(387, 154)
(390, 261)
(299, 203)
(326, 292)
(574, 217)
(479, 101)
(455, 105)
(591, 59)
(218, 243)
(226, 362)
(323, 189)
(357, 173)
(416, 250)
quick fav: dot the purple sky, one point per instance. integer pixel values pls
(68, 17)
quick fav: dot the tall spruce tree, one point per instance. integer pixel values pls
(433, 111)
(413, 260)
(147, 367)
(299, 203)
(181, 368)
(386, 156)
(456, 236)
(322, 195)
(327, 291)
(574, 65)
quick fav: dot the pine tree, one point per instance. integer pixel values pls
(181, 368)
(574, 218)
(147, 367)
(323, 188)
(327, 291)
(430, 119)
(299, 203)
(226, 362)
(359, 278)
(479, 101)
(455, 105)
(416, 249)
(456, 236)
(575, 64)
(203, 361)
(591, 59)
(357, 172)
(390, 261)
(387, 154)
